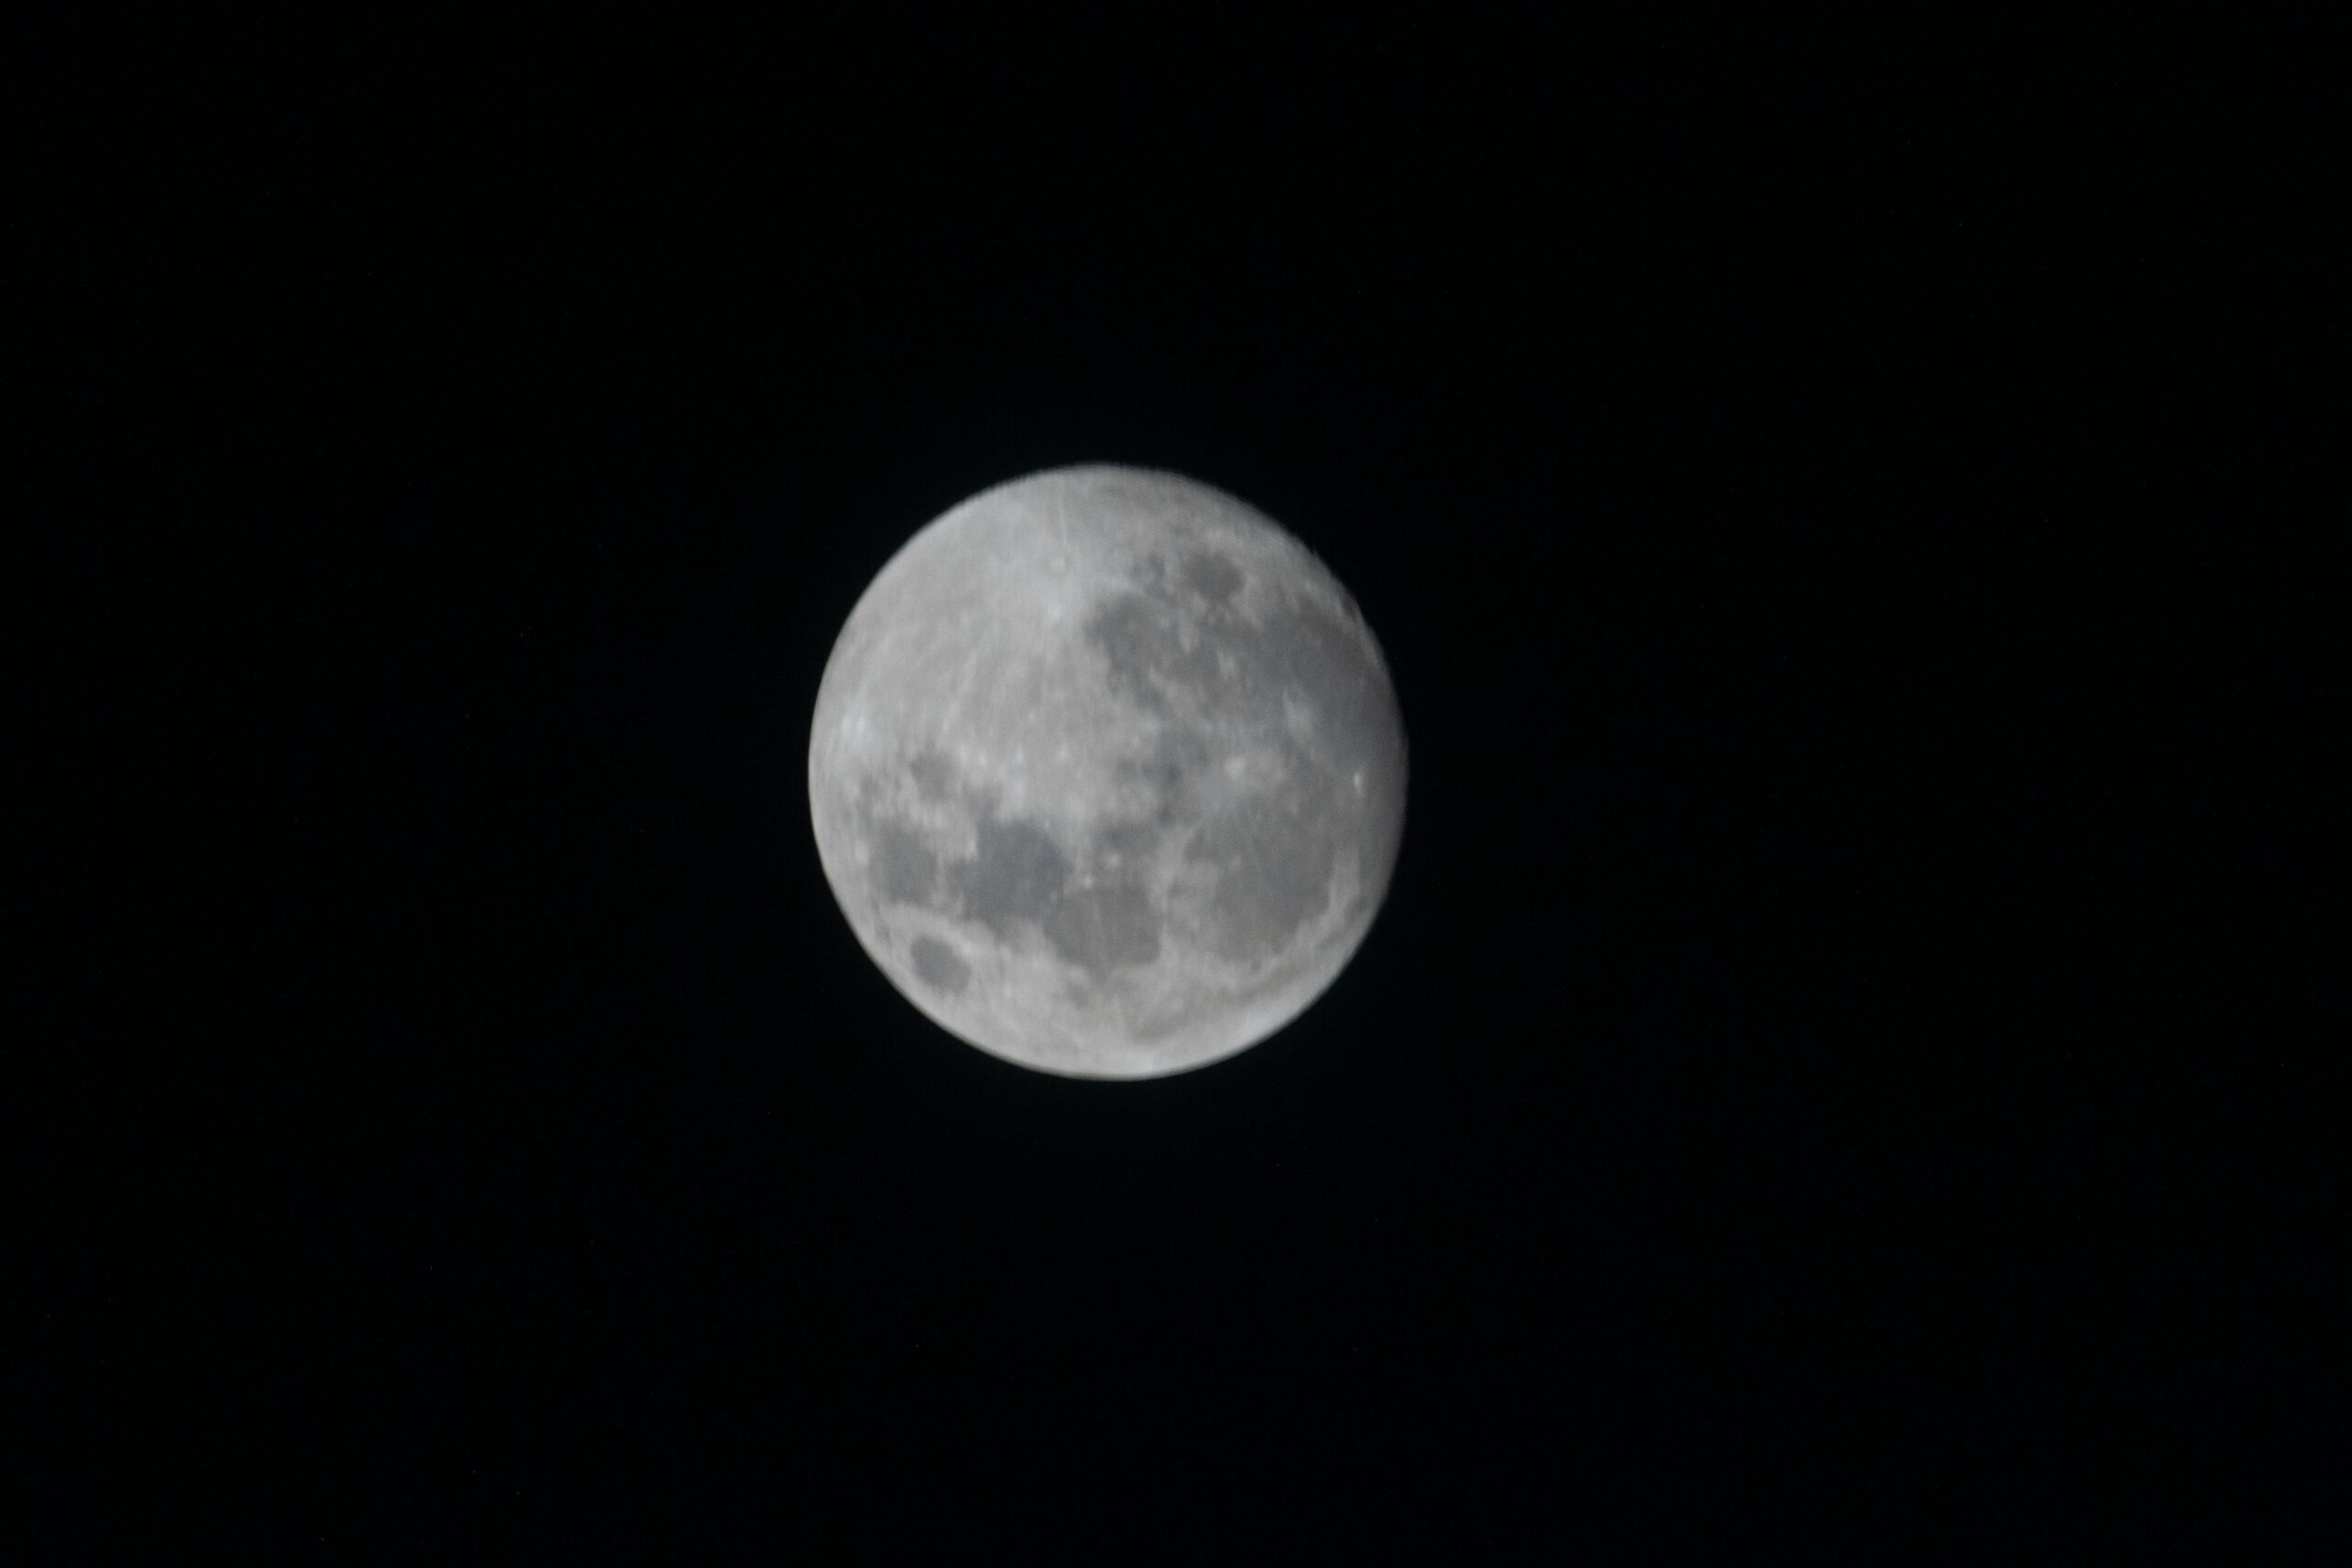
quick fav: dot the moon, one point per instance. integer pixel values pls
(1107, 773)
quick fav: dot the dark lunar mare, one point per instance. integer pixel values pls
(1273, 860)
(904, 867)
(1100, 916)
(1017, 875)
(938, 966)
(1175, 644)
(1273, 854)
(1105, 928)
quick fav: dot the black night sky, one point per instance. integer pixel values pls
(1801, 1088)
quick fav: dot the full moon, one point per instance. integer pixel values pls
(1107, 773)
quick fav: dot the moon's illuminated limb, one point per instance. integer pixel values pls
(1106, 773)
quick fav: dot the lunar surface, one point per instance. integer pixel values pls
(1107, 773)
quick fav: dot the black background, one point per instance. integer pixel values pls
(1819, 496)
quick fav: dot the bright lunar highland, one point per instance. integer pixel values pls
(1107, 773)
